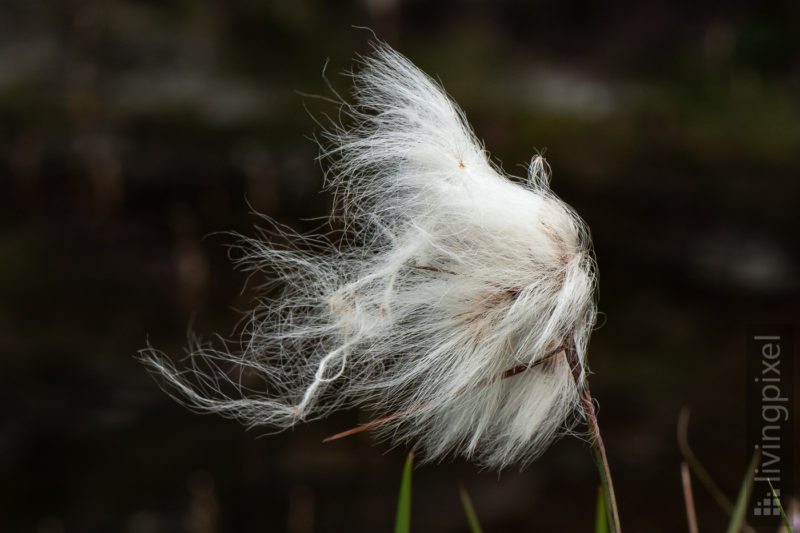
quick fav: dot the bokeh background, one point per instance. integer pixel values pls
(132, 132)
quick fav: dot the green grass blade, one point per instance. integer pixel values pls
(697, 467)
(740, 509)
(785, 518)
(403, 522)
(472, 518)
(601, 461)
(600, 520)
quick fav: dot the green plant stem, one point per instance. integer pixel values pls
(697, 467)
(403, 520)
(600, 520)
(737, 522)
(472, 518)
(700, 472)
(601, 460)
(786, 523)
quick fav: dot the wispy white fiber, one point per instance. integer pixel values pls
(459, 304)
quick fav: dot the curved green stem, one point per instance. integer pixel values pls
(601, 460)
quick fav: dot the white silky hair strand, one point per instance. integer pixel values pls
(449, 276)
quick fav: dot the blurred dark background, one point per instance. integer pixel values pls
(132, 131)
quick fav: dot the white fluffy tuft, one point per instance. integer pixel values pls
(452, 278)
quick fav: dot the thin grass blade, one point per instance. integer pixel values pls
(688, 498)
(403, 521)
(697, 467)
(740, 509)
(469, 510)
(785, 518)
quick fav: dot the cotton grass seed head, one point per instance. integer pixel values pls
(457, 308)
